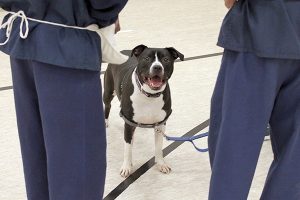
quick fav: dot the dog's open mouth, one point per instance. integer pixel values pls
(155, 82)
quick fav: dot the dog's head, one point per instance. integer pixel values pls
(155, 65)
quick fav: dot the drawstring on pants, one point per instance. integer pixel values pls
(110, 53)
(9, 25)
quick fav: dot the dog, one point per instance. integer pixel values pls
(141, 85)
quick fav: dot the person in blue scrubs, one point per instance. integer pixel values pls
(57, 91)
(258, 83)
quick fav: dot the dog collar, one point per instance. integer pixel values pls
(155, 95)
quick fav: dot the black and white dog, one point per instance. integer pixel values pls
(141, 84)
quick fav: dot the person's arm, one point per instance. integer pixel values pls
(106, 11)
(229, 3)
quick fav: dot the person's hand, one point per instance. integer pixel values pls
(229, 3)
(117, 26)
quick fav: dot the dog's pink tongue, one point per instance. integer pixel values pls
(156, 82)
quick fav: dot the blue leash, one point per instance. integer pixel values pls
(189, 139)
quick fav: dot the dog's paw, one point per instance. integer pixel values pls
(163, 167)
(106, 123)
(125, 170)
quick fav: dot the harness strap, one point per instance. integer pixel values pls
(141, 125)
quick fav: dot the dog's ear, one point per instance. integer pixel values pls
(175, 54)
(138, 50)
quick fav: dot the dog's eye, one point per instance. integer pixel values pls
(146, 59)
(166, 59)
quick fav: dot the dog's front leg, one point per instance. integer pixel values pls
(161, 164)
(127, 163)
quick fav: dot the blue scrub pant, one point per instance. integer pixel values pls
(250, 93)
(61, 128)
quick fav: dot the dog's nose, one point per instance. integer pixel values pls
(157, 68)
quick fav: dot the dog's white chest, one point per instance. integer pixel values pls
(147, 110)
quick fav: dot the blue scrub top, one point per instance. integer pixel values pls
(268, 28)
(57, 45)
